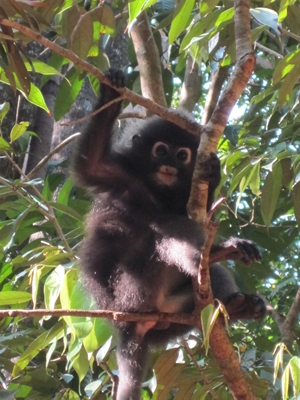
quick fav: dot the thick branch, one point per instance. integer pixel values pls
(190, 90)
(148, 60)
(170, 115)
(217, 80)
(219, 342)
(212, 132)
(288, 328)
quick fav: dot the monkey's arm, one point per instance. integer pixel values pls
(179, 242)
(94, 143)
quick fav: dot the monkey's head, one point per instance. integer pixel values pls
(163, 156)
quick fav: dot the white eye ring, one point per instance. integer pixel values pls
(184, 154)
(160, 149)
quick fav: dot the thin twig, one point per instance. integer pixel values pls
(179, 119)
(185, 319)
(92, 114)
(44, 160)
(267, 50)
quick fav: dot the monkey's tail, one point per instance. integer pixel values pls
(132, 356)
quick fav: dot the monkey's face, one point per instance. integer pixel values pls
(170, 163)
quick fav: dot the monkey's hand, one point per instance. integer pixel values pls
(211, 171)
(235, 249)
(245, 306)
(107, 93)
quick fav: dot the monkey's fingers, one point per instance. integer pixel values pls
(236, 249)
(116, 76)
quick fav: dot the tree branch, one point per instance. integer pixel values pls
(170, 115)
(288, 328)
(219, 342)
(185, 319)
(148, 60)
(217, 80)
(214, 129)
(191, 86)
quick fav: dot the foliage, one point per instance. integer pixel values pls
(42, 222)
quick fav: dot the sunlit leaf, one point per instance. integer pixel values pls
(285, 65)
(294, 365)
(67, 93)
(104, 15)
(4, 108)
(18, 297)
(181, 19)
(52, 286)
(18, 130)
(296, 198)
(270, 193)
(81, 364)
(3, 144)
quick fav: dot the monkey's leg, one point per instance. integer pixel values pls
(132, 355)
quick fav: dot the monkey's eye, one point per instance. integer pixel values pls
(160, 149)
(184, 155)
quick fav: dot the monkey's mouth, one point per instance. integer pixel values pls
(166, 175)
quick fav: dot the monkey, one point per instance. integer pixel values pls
(141, 249)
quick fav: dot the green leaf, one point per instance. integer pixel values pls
(18, 130)
(296, 198)
(295, 372)
(285, 65)
(283, 11)
(69, 20)
(37, 345)
(81, 300)
(270, 193)
(182, 16)
(285, 381)
(104, 15)
(35, 96)
(67, 93)
(41, 68)
(247, 178)
(70, 280)
(81, 364)
(9, 298)
(66, 210)
(207, 6)
(288, 84)
(242, 170)
(52, 286)
(3, 144)
(207, 28)
(100, 333)
(82, 36)
(4, 108)
(206, 317)
(137, 6)
(255, 180)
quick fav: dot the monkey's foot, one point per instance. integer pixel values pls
(245, 306)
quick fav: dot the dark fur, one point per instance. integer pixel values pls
(141, 249)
